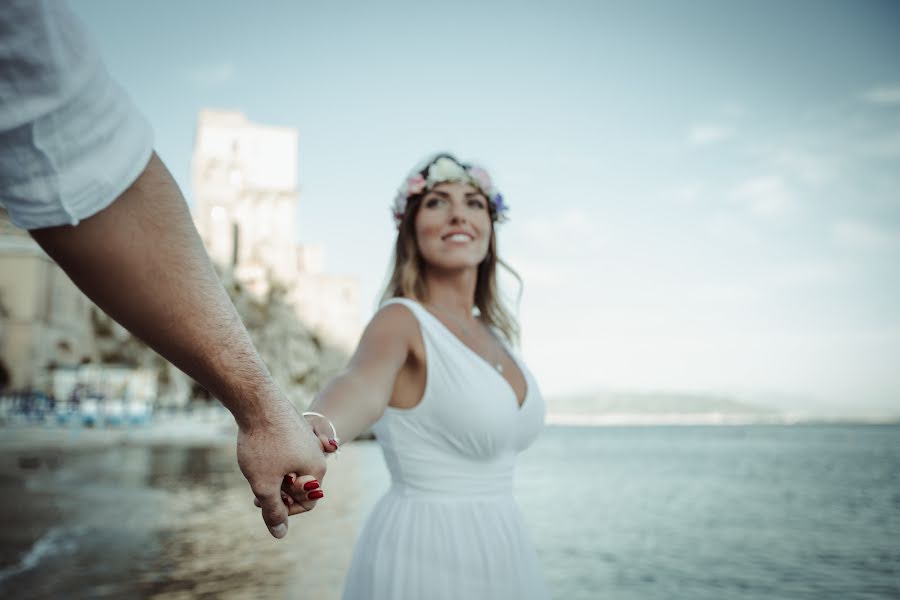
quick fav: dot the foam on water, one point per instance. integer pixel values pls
(56, 541)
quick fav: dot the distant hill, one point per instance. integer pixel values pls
(625, 407)
(653, 403)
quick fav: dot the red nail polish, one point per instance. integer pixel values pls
(291, 478)
(310, 485)
(315, 495)
(333, 443)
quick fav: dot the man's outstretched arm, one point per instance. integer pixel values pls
(142, 261)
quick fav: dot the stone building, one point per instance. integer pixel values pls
(244, 184)
(49, 335)
(246, 197)
(45, 321)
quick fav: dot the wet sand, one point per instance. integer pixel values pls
(164, 513)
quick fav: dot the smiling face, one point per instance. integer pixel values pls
(453, 226)
(450, 228)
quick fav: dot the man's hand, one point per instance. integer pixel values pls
(269, 451)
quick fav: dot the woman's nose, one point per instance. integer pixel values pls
(457, 215)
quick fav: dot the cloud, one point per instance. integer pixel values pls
(767, 196)
(709, 134)
(686, 194)
(544, 273)
(211, 75)
(727, 292)
(724, 227)
(807, 167)
(807, 274)
(887, 144)
(882, 95)
(560, 231)
(866, 236)
(554, 251)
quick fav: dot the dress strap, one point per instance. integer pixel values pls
(417, 309)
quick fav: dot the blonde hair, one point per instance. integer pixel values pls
(407, 279)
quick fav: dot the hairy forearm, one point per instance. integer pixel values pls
(142, 261)
(352, 403)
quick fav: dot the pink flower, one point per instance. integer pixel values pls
(415, 184)
(482, 178)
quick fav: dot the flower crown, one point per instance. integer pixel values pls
(442, 168)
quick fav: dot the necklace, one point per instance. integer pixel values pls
(467, 332)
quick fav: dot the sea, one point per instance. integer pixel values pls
(711, 512)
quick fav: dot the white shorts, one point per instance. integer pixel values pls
(67, 149)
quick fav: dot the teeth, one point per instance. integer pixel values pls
(459, 237)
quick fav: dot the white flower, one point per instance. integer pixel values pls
(445, 169)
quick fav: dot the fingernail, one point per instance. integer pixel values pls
(279, 530)
(310, 485)
(315, 495)
(333, 443)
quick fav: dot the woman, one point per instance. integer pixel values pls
(448, 401)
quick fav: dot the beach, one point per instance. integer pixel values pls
(163, 512)
(711, 512)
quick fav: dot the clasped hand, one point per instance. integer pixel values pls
(284, 462)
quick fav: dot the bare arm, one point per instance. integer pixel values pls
(142, 261)
(355, 399)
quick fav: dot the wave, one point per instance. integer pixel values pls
(57, 540)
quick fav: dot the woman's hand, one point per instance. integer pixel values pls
(299, 494)
(322, 429)
(267, 452)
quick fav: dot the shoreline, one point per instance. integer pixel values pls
(710, 419)
(170, 431)
(162, 511)
(222, 431)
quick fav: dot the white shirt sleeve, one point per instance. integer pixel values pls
(71, 141)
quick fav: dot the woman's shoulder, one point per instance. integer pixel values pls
(411, 305)
(397, 310)
(395, 325)
(396, 315)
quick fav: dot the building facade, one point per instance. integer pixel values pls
(45, 320)
(246, 199)
(245, 189)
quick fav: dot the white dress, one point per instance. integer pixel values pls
(449, 527)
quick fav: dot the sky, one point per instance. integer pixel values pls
(704, 195)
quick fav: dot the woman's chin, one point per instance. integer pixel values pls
(453, 265)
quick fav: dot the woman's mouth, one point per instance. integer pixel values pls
(457, 237)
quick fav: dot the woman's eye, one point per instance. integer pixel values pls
(479, 204)
(432, 202)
